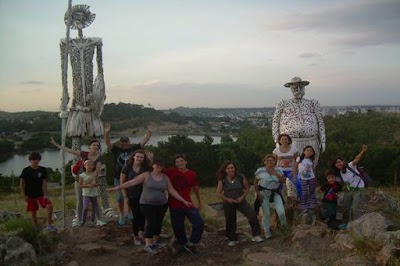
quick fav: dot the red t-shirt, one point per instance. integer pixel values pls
(183, 183)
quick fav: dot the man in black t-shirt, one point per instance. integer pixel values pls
(33, 185)
(122, 151)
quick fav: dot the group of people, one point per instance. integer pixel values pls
(142, 182)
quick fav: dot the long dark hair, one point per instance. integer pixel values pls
(145, 165)
(312, 158)
(343, 170)
(221, 173)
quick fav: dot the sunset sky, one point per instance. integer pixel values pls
(208, 53)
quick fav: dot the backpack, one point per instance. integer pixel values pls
(363, 175)
(75, 169)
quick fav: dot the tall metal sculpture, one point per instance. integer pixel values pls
(88, 96)
(83, 116)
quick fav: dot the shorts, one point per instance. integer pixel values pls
(33, 203)
(118, 195)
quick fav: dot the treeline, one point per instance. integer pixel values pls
(120, 114)
(345, 135)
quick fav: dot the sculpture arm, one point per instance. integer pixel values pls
(99, 57)
(99, 88)
(321, 125)
(64, 79)
(276, 121)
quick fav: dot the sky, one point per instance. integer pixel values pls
(208, 53)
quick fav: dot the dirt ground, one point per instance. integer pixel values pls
(112, 245)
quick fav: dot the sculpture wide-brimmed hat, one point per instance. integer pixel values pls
(296, 80)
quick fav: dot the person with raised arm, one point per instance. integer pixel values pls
(94, 155)
(153, 202)
(354, 186)
(122, 151)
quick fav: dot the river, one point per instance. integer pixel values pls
(52, 158)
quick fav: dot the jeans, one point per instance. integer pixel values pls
(178, 223)
(280, 209)
(230, 219)
(330, 212)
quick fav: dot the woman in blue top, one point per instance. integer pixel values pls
(266, 184)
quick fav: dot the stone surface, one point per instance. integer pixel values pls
(306, 230)
(91, 248)
(344, 241)
(353, 260)
(271, 258)
(19, 253)
(368, 225)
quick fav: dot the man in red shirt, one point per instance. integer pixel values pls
(184, 180)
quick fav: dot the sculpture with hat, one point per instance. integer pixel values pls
(300, 118)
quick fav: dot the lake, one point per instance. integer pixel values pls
(52, 158)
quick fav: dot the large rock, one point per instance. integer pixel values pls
(345, 242)
(303, 231)
(5, 215)
(19, 253)
(3, 249)
(369, 225)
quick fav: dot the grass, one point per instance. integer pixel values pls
(13, 202)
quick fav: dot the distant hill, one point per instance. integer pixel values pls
(203, 111)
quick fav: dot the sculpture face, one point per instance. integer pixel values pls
(298, 91)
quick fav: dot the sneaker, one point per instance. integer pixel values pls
(50, 228)
(268, 234)
(150, 249)
(130, 216)
(342, 226)
(159, 244)
(233, 243)
(257, 239)
(76, 223)
(121, 221)
(100, 223)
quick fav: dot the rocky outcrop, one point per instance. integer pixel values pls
(370, 227)
(5, 215)
(19, 253)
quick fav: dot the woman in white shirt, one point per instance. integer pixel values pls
(286, 155)
(354, 189)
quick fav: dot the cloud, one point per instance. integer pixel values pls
(357, 24)
(309, 55)
(31, 82)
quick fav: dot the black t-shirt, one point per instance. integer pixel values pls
(121, 156)
(135, 191)
(34, 181)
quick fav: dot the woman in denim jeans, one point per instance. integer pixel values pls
(266, 184)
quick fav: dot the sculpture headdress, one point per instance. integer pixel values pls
(80, 14)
